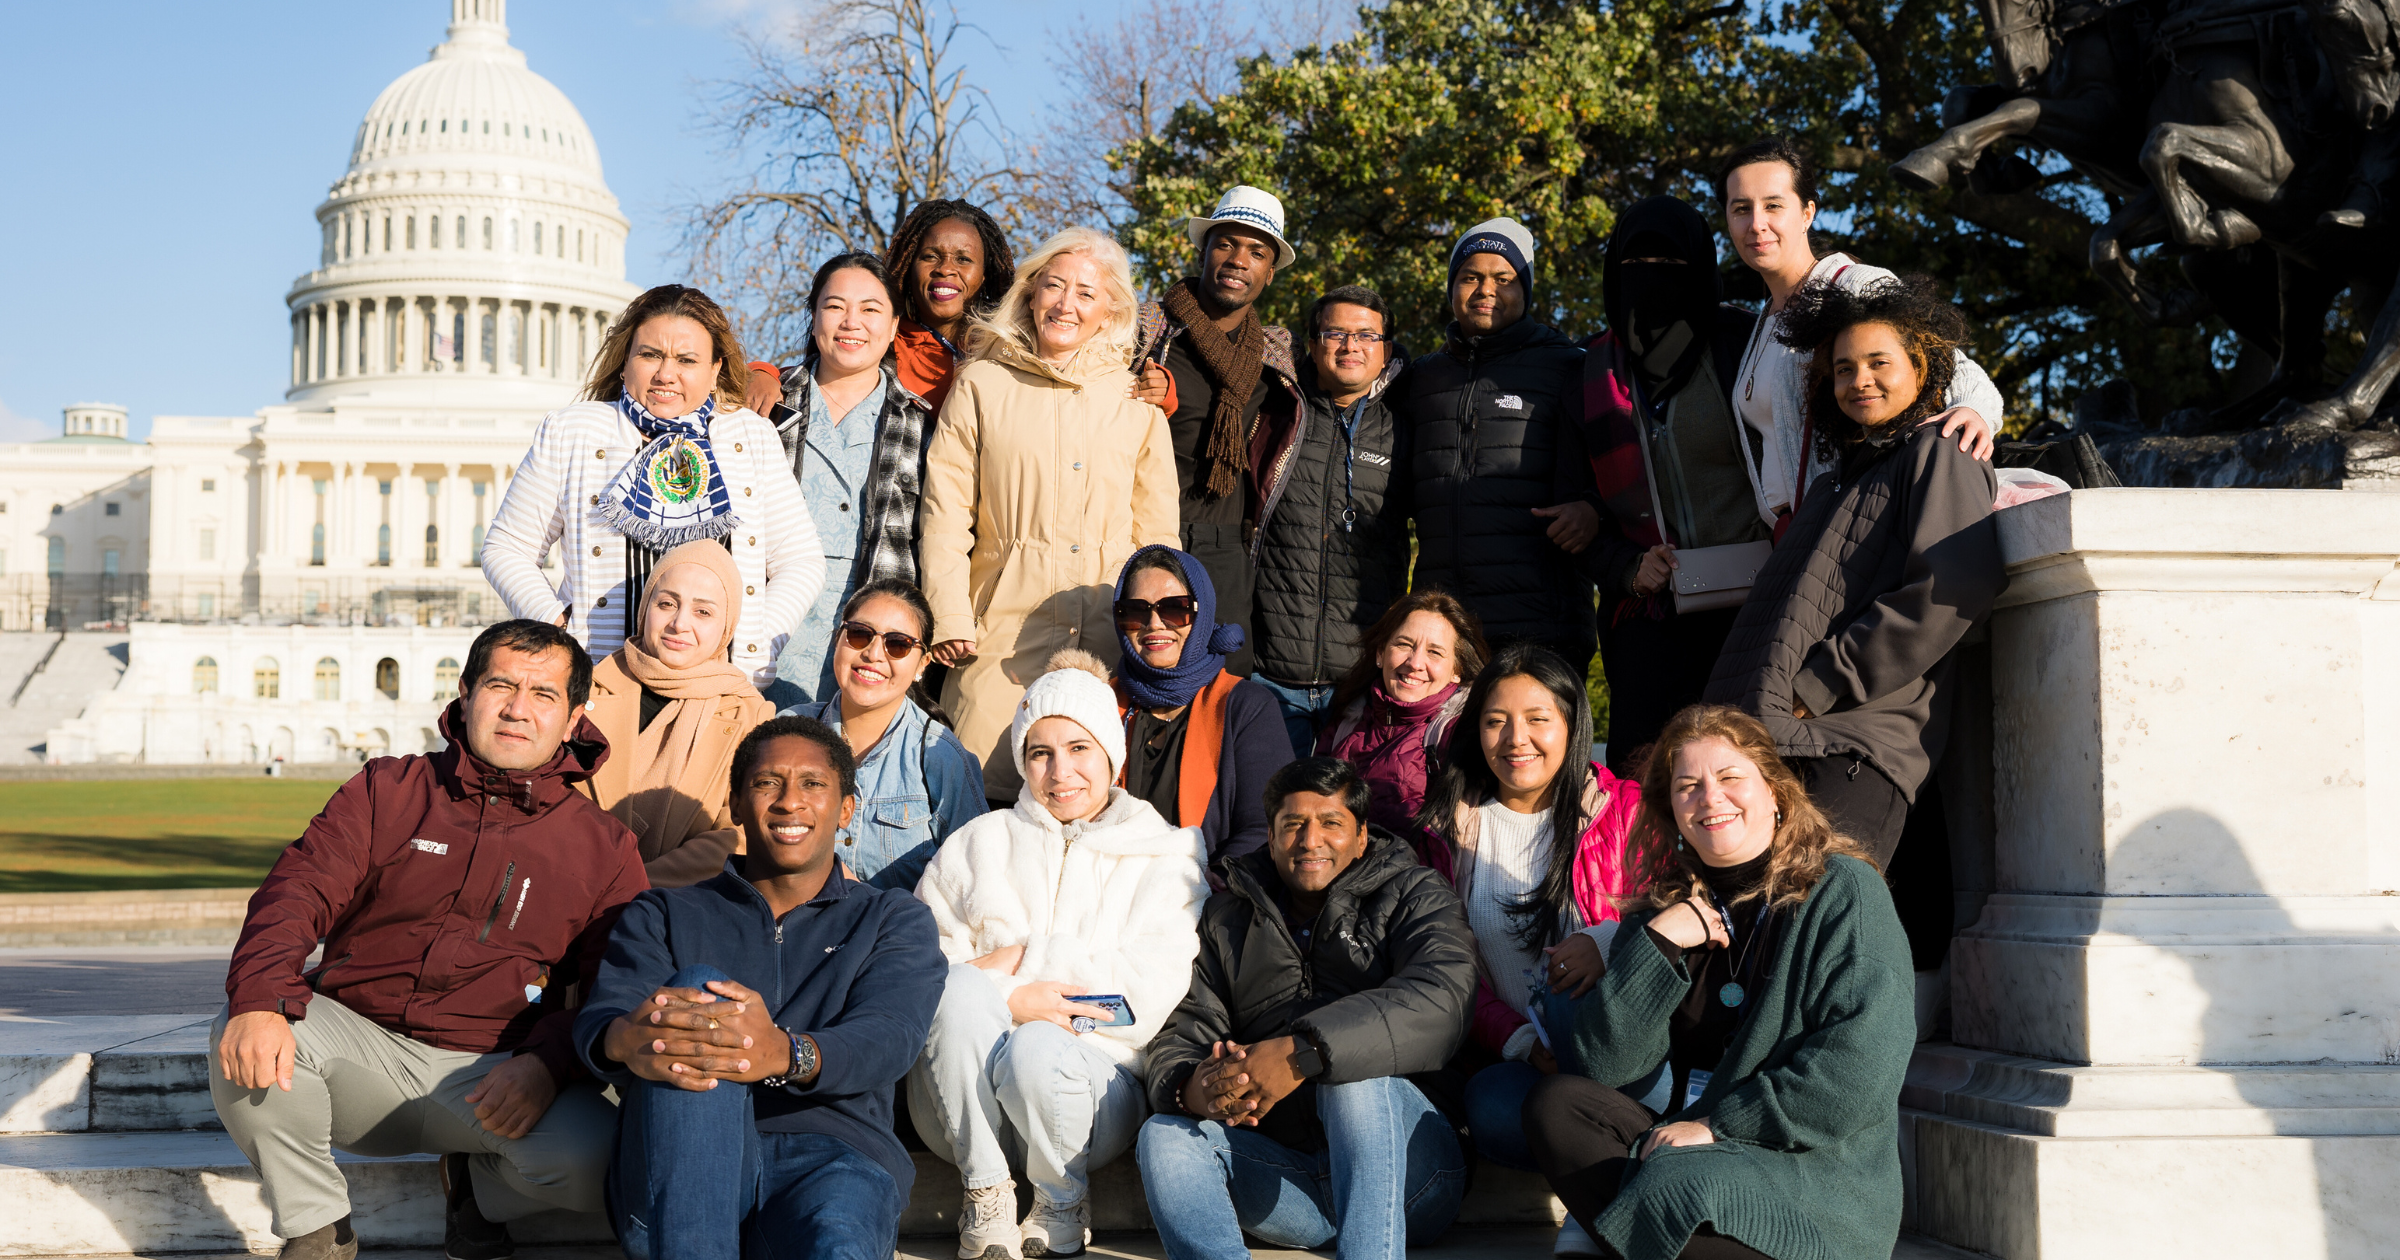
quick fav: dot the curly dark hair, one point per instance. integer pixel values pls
(1930, 329)
(999, 263)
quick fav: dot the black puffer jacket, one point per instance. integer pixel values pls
(1493, 431)
(1386, 986)
(1331, 550)
(1893, 558)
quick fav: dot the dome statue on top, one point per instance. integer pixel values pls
(472, 254)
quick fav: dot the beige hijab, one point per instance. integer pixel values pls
(668, 783)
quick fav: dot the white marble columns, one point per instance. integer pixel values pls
(2180, 1011)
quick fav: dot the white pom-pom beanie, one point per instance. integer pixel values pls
(1076, 688)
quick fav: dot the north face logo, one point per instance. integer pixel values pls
(1511, 402)
(429, 846)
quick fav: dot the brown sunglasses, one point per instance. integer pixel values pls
(858, 635)
(1174, 612)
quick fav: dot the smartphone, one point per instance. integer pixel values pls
(1119, 1010)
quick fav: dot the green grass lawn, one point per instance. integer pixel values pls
(150, 833)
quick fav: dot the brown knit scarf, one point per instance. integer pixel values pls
(1234, 364)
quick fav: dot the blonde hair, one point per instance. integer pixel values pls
(1666, 869)
(1010, 323)
(607, 381)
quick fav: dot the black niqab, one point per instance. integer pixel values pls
(1664, 313)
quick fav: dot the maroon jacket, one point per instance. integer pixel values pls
(459, 905)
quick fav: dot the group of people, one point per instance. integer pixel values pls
(1041, 726)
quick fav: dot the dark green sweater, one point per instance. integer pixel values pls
(1806, 1101)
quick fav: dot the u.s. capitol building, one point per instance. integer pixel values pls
(302, 582)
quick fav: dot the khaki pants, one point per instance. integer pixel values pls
(369, 1091)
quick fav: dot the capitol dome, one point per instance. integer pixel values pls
(472, 252)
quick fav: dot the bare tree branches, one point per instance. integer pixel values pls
(1126, 77)
(849, 116)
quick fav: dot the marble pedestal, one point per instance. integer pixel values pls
(2177, 1017)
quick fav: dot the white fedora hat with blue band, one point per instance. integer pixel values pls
(1248, 207)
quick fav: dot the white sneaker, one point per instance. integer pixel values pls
(987, 1228)
(1053, 1229)
(1572, 1241)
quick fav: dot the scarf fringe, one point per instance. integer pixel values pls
(659, 537)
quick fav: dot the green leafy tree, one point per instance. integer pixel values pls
(1436, 114)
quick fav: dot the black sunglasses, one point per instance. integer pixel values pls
(1174, 612)
(895, 644)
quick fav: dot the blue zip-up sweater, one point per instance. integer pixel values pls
(859, 969)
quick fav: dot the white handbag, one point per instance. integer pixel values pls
(1705, 578)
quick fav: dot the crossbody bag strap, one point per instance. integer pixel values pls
(1641, 424)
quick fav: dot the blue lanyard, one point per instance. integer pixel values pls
(955, 356)
(1349, 422)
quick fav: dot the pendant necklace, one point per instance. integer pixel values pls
(1731, 993)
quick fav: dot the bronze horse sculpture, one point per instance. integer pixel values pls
(2252, 137)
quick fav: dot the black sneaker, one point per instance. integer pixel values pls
(465, 1234)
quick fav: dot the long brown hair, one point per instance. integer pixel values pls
(1365, 672)
(1667, 870)
(607, 381)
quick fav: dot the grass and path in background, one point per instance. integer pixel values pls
(107, 835)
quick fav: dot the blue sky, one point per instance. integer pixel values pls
(168, 157)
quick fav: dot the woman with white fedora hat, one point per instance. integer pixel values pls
(1221, 374)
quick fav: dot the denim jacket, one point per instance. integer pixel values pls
(915, 786)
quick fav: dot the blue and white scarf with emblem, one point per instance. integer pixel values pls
(671, 492)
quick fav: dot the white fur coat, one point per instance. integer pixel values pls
(1115, 911)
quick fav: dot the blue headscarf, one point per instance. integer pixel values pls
(1204, 651)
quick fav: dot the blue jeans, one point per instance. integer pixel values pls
(694, 1179)
(1392, 1174)
(1496, 1112)
(1304, 711)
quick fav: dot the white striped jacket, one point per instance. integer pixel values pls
(577, 453)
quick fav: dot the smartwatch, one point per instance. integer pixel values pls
(1308, 1060)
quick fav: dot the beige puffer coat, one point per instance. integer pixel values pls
(1039, 485)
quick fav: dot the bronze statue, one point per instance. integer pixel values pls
(2257, 137)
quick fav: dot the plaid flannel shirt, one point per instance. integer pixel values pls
(888, 547)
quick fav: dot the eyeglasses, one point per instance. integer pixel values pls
(858, 635)
(1343, 337)
(1174, 612)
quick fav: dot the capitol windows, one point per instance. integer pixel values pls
(204, 676)
(387, 678)
(412, 231)
(491, 341)
(329, 678)
(579, 244)
(475, 535)
(537, 236)
(208, 544)
(316, 532)
(445, 677)
(208, 485)
(487, 231)
(459, 237)
(433, 546)
(58, 558)
(110, 509)
(383, 532)
(208, 608)
(266, 679)
(387, 234)
(109, 561)
(516, 244)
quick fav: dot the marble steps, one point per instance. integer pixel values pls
(1498, 1243)
(109, 1147)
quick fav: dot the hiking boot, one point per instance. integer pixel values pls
(333, 1242)
(465, 1234)
(1054, 1229)
(987, 1223)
